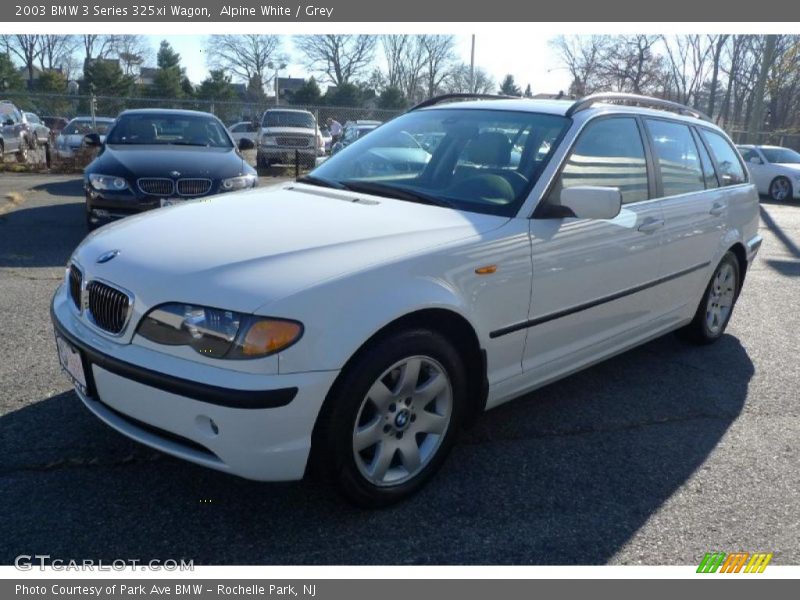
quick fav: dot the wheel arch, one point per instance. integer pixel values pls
(449, 323)
(740, 253)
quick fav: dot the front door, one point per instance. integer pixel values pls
(591, 276)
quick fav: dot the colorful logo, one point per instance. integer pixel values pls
(736, 562)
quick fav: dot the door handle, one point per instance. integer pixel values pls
(717, 209)
(650, 225)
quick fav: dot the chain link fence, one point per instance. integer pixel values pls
(228, 111)
(787, 139)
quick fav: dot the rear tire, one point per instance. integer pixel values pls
(391, 418)
(22, 153)
(716, 306)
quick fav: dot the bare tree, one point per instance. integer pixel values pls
(245, 56)
(628, 63)
(133, 51)
(56, 50)
(459, 81)
(755, 123)
(582, 56)
(439, 60)
(27, 48)
(98, 46)
(687, 57)
(339, 58)
(718, 43)
(405, 61)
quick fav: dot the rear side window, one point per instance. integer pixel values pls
(708, 165)
(608, 153)
(731, 171)
(677, 156)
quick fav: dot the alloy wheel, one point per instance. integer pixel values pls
(720, 298)
(780, 189)
(402, 421)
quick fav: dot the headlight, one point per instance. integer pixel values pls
(269, 140)
(107, 182)
(218, 333)
(238, 183)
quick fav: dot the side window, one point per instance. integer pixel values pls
(608, 153)
(709, 175)
(749, 154)
(731, 171)
(237, 128)
(677, 157)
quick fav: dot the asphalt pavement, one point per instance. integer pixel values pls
(654, 457)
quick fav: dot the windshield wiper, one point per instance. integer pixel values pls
(181, 143)
(371, 187)
(321, 182)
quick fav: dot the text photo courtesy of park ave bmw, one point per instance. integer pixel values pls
(300, 286)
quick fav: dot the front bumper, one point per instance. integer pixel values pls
(251, 425)
(286, 156)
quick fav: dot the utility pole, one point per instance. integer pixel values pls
(472, 67)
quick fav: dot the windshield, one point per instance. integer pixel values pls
(781, 155)
(84, 127)
(471, 159)
(286, 118)
(169, 129)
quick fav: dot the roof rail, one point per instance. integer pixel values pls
(646, 101)
(464, 96)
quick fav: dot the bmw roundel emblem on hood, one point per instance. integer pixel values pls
(175, 173)
(106, 256)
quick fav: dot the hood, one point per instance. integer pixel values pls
(789, 166)
(240, 251)
(159, 160)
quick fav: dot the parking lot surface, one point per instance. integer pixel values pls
(654, 457)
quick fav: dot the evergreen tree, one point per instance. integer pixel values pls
(509, 88)
(392, 98)
(308, 95)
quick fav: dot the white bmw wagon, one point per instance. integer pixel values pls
(463, 254)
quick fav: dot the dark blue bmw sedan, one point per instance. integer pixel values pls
(152, 158)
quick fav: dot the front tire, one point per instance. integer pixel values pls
(716, 307)
(780, 189)
(392, 418)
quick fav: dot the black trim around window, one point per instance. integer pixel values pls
(212, 394)
(586, 306)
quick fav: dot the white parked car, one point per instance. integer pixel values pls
(289, 135)
(774, 170)
(245, 129)
(355, 321)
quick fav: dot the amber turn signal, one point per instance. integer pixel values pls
(269, 336)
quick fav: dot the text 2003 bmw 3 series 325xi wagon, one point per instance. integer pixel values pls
(354, 319)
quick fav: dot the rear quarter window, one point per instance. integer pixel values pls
(729, 166)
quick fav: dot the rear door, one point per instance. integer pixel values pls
(590, 276)
(694, 209)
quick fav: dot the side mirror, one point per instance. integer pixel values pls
(246, 143)
(592, 202)
(8, 122)
(756, 160)
(92, 140)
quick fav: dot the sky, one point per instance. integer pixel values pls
(530, 61)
